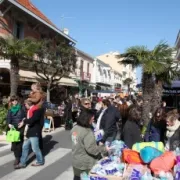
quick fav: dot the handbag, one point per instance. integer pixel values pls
(13, 135)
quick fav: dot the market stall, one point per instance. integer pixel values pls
(145, 161)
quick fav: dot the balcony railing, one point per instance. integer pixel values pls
(86, 76)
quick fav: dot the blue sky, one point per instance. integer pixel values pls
(102, 26)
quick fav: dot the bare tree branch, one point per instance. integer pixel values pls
(55, 62)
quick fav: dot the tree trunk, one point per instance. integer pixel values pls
(148, 89)
(48, 94)
(157, 96)
(14, 75)
(129, 91)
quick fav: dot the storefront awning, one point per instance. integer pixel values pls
(174, 85)
(32, 77)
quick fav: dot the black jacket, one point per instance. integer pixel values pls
(15, 119)
(131, 133)
(109, 122)
(175, 140)
(35, 123)
(68, 110)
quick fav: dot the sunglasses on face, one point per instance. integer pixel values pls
(13, 100)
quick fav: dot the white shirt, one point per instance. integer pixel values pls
(99, 119)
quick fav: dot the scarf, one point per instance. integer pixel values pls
(15, 109)
(171, 129)
(31, 110)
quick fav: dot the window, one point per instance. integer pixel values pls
(88, 68)
(18, 30)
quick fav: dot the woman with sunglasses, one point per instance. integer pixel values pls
(15, 115)
(157, 127)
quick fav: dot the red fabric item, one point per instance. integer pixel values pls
(31, 110)
(131, 157)
(163, 163)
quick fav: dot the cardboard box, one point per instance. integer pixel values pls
(141, 168)
(111, 177)
(108, 177)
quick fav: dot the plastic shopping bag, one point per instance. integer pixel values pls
(13, 135)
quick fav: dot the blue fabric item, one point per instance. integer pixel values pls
(152, 134)
(47, 124)
(149, 153)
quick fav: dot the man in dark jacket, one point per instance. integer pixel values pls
(34, 131)
(68, 115)
(109, 122)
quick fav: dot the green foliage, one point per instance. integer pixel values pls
(21, 49)
(158, 61)
(54, 62)
(128, 81)
(3, 115)
(17, 51)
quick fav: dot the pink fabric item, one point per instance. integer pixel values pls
(163, 163)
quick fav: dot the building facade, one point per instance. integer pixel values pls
(125, 71)
(102, 75)
(21, 19)
(83, 72)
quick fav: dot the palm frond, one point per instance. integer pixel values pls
(134, 55)
(22, 49)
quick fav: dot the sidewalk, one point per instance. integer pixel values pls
(3, 137)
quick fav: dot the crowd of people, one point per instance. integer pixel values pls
(118, 119)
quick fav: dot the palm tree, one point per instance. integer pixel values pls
(138, 56)
(16, 50)
(154, 65)
(169, 70)
(128, 82)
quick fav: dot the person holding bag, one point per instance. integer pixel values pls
(15, 115)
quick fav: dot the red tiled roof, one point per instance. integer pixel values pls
(28, 5)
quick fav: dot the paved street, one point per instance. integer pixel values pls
(57, 151)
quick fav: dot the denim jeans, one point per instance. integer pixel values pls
(34, 143)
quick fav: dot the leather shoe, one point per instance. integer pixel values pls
(19, 166)
(36, 165)
(16, 162)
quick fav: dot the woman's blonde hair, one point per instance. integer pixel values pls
(172, 115)
(38, 86)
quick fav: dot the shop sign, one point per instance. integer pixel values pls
(171, 91)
